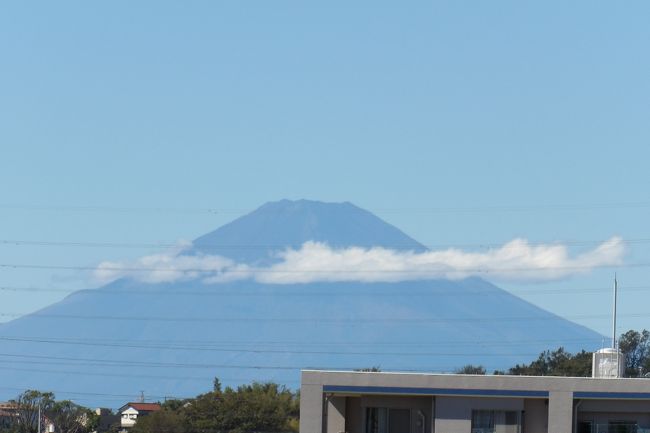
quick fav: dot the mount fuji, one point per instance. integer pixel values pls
(167, 326)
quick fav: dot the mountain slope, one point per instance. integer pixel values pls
(284, 224)
(104, 346)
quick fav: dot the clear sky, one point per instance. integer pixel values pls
(462, 123)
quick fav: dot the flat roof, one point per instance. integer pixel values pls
(423, 384)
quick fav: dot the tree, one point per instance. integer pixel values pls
(556, 363)
(470, 369)
(264, 407)
(636, 348)
(162, 421)
(216, 385)
(373, 369)
(27, 409)
(258, 407)
(69, 417)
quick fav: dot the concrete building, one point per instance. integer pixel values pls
(370, 402)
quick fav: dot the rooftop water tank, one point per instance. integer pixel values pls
(608, 363)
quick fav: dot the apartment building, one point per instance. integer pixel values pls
(378, 402)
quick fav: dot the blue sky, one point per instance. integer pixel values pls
(459, 122)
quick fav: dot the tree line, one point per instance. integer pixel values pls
(272, 408)
(258, 407)
(634, 345)
(22, 415)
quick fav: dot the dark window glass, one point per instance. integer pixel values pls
(623, 427)
(399, 421)
(584, 427)
(511, 418)
(383, 420)
(483, 421)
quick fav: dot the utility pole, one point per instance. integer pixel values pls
(614, 315)
(39, 417)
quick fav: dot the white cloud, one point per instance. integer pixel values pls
(517, 260)
(164, 267)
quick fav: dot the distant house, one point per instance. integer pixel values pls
(130, 412)
(8, 414)
(105, 419)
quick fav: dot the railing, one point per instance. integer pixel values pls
(619, 428)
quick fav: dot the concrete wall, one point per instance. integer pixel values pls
(536, 415)
(469, 382)
(335, 422)
(311, 407)
(354, 415)
(560, 412)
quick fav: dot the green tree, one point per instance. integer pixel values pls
(258, 407)
(556, 363)
(470, 369)
(69, 417)
(264, 407)
(373, 369)
(162, 421)
(27, 409)
(203, 414)
(636, 348)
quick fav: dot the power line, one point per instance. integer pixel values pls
(314, 271)
(280, 291)
(319, 321)
(102, 394)
(52, 360)
(159, 343)
(18, 242)
(61, 360)
(268, 351)
(550, 207)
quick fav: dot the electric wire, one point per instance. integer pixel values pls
(281, 291)
(202, 246)
(316, 271)
(319, 321)
(550, 207)
(206, 345)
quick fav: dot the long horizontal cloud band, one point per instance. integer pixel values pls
(516, 260)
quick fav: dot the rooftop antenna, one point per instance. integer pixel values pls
(614, 315)
(141, 396)
(609, 362)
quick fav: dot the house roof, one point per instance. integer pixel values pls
(142, 407)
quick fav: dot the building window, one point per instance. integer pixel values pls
(483, 421)
(622, 427)
(384, 420)
(496, 421)
(585, 427)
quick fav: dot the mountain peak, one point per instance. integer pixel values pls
(277, 225)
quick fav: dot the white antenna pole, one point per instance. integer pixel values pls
(614, 315)
(39, 417)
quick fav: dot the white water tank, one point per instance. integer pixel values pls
(608, 363)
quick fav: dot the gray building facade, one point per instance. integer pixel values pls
(373, 402)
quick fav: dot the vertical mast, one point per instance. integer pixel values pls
(614, 315)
